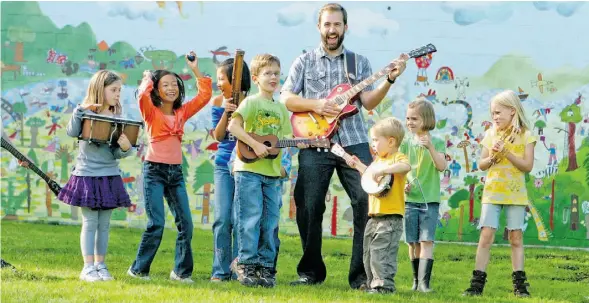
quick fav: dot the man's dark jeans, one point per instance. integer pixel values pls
(315, 171)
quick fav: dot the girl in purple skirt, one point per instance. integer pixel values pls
(96, 185)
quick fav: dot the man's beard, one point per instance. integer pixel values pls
(340, 40)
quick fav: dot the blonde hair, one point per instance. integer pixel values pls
(426, 112)
(95, 92)
(261, 61)
(389, 127)
(509, 98)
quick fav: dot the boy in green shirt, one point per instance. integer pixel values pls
(257, 184)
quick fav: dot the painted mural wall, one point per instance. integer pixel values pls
(50, 50)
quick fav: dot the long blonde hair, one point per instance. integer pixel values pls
(509, 98)
(95, 92)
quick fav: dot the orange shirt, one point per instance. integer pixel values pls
(168, 150)
(165, 132)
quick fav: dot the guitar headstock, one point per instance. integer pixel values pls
(422, 51)
(338, 150)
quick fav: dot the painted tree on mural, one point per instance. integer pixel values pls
(161, 59)
(19, 35)
(464, 144)
(571, 115)
(10, 201)
(540, 125)
(20, 108)
(203, 177)
(33, 156)
(66, 157)
(48, 192)
(35, 123)
(457, 197)
(471, 181)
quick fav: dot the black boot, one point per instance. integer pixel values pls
(415, 265)
(424, 275)
(6, 264)
(520, 286)
(477, 283)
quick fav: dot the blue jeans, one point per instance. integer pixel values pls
(276, 238)
(165, 180)
(224, 226)
(257, 213)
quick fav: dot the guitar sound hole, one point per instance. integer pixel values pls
(267, 144)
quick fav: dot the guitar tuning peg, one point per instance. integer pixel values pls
(325, 150)
(318, 149)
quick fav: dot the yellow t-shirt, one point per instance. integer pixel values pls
(394, 201)
(505, 184)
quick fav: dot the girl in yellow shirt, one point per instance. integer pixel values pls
(508, 153)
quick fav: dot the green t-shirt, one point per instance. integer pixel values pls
(423, 178)
(263, 117)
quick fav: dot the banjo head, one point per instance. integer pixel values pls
(372, 187)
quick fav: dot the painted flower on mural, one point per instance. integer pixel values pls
(538, 183)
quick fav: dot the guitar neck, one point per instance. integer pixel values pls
(293, 142)
(10, 148)
(349, 94)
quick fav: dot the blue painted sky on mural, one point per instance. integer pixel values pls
(477, 32)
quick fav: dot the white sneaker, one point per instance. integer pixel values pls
(175, 277)
(103, 272)
(90, 274)
(142, 277)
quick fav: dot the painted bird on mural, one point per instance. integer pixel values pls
(221, 51)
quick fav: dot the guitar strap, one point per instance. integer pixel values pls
(350, 67)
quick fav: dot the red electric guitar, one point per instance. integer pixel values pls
(313, 125)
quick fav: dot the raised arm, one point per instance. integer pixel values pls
(205, 89)
(146, 106)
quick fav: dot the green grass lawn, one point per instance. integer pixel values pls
(48, 262)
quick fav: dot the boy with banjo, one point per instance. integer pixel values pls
(384, 181)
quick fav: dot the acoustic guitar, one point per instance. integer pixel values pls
(247, 154)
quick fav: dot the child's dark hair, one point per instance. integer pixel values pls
(246, 79)
(156, 76)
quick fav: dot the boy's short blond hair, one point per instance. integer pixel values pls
(261, 61)
(389, 127)
(426, 112)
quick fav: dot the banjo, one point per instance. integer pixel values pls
(371, 186)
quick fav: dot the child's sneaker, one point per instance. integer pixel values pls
(138, 276)
(267, 277)
(103, 272)
(90, 274)
(246, 275)
(175, 277)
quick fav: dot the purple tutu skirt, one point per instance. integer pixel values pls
(95, 192)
